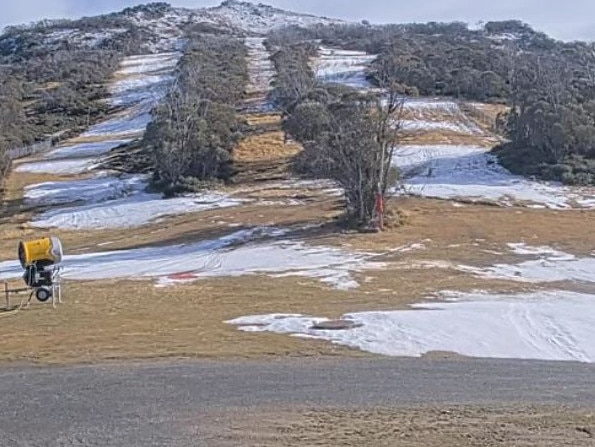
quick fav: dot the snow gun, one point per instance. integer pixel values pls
(41, 260)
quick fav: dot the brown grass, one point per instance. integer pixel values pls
(268, 146)
(263, 119)
(107, 320)
(102, 138)
(132, 319)
(446, 137)
(447, 426)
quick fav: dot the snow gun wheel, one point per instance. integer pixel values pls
(43, 294)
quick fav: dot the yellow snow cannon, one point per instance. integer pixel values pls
(41, 252)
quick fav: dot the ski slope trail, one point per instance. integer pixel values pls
(104, 200)
(261, 72)
(139, 84)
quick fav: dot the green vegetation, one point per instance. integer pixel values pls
(347, 136)
(196, 127)
(549, 85)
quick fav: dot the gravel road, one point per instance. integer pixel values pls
(164, 403)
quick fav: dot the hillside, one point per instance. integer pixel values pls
(188, 160)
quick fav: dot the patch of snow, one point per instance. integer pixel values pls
(148, 63)
(135, 209)
(94, 190)
(550, 266)
(131, 123)
(247, 252)
(85, 150)
(452, 172)
(425, 126)
(343, 67)
(59, 167)
(544, 326)
(261, 72)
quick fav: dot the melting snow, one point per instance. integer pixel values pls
(261, 72)
(134, 209)
(343, 67)
(452, 172)
(550, 266)
(242, 253)
(59, 167)
(546, 326)
(92, 190)
(85, 150)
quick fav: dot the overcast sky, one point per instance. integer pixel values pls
(569, 19)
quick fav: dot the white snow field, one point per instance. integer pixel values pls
(245, 252)
(85, 150)
(343, 67)
(471, 172)
(547, 325)
(544, 325)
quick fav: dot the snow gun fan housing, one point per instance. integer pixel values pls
(41, 252)
(41, 258)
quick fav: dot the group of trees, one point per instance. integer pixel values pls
(551, 124)
(347, 136)
(549, 85)
(196, 127)
(14, 129)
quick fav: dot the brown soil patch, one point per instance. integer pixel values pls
(459, 426)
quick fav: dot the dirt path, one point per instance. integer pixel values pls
(300, 402)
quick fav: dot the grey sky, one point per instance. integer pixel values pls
(570, 19)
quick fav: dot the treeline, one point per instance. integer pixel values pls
(196, 127)
(551, 125)
(549, 85)
(347, 136)
(434, 59)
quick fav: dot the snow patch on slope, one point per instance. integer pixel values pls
(549, 266)
(471, 172)
(115, 203)
(343, 67)
(544, 326)
(261, 72)
(247, 252)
